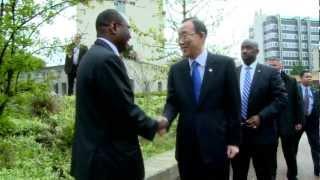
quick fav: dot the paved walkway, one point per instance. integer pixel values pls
(305, 165)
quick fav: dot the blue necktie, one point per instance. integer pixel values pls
(196, 80)
(306, 101)
(245, 93)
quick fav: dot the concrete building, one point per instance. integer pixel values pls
(145, 17)
(144, 77)
(292, 39)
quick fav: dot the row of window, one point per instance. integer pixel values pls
(271, 45)
(289, 27)
(294, 63)
(271, 35)
(270, 27)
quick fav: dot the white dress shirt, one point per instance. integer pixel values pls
(76, 51)
(310, 96)
(113, 47)
(243, 72)
(201, 60)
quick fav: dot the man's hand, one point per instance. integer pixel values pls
(232, 151)
(298, 127)
(253, 122)
(162, 125)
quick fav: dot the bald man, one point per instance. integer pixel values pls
(263, 96)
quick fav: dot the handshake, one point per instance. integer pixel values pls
(162, 125)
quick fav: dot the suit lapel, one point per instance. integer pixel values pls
(100, 42)
(208, 72)
(238, 69)
(255, 81)
(186, 80)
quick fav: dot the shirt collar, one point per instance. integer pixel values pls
(252, 65)
(201, 58)
(305, 87)
(113, 47)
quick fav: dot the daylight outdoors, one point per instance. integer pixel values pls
(56, 111)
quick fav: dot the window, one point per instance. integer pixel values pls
(159, 86)
(56, 88)
(64, 88)
(120, 5)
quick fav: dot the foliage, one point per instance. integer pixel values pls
(297, 69)
(39, 147)
(20, 41)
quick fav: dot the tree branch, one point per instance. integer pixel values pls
(6, 44)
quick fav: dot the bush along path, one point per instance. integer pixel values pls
(36, 132)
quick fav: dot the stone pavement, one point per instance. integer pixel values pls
(305, 165)
(164, 167)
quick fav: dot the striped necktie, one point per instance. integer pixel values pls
(245, 93)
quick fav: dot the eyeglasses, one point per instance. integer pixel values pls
(185, 36)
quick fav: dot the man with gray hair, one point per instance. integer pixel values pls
(263, 96)
(290, 121)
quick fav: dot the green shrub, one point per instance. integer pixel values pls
(39, 147)
(7, 154)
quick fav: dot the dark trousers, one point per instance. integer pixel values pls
(263, 161)
(290, 145)
(71, 77)
(312, 131)
(106, 167)
(192, 167)
(195, 169)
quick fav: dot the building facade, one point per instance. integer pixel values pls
(144, 16)
(291, 39)
(144, 77)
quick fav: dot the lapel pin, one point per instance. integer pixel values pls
(210, 69)
(259, 70)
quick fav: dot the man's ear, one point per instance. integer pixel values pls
(112, 29)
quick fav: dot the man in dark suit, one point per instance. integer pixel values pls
(108, 123)
(203, 90)
(311, 112)
(289, 122)
(263, 96)
(74, 53)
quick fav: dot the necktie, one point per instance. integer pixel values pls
(196, 80)
(245, 93)
(306, 101)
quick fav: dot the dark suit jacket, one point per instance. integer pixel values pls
(107, 120)
(314, 116)
(267, 99)
(68, 65)
(214, 122)
(292, 114)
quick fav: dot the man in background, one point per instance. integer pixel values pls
(74, 53)
(289, 122)
(263, 96)
(311, 113)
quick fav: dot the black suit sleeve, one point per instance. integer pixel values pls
(232, 99)
(298, 106)
(112, 80)
(170, 108)
(279, 97)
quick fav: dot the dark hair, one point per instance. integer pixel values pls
(303, 72)
(106, 17)
(199, 26)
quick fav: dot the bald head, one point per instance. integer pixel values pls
(251, 43)
(249, 51)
